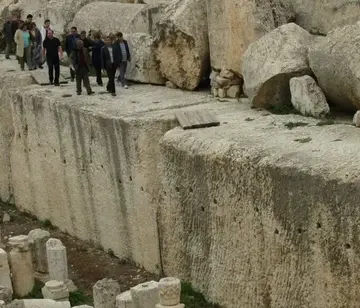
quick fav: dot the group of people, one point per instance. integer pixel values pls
(36, 46)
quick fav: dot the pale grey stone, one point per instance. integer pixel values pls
(234, 91)
(105, 292)
(145, 294)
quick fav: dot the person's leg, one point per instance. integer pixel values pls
(123, 67)
(57, 72)
(112, 80)
(72, 74)
(87, 82)
(51, 70)
(8, 49)
(22, 63)
(28, 57)
(98, 75)
(78, 76)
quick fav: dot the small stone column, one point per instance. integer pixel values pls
(105, 292)
(37, 241)
(21, 265)
(145, 295)
(57, 260)
(56, 290)
(5, 280)
(170, 291)
(124, 300)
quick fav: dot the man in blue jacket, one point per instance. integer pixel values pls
(70, 42)
(124, 53)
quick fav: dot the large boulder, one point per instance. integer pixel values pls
(319, 17)
(270, 63)
(182, 43)
(307, 97)
(114, 17)
(335, 61)
(143, 66)
(235, 24)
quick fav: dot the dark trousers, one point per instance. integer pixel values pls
(54, 65)
(98, 75)
(9, 48)
(82, 75)
(72, 74)
(26, 58)
(121, 77)
(111, 70)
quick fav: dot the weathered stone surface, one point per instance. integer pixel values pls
(234, 91)
(4, 271)
(272, 61)
(334, 60)
(37, 240)
(6, 294)
(169, 291)
(57, 260)
(319, 17)
(6, 217)
(175, 306)
(138, 18)
(21, 265)
(124, 300)
(170, 85)
(38, 303)
(307, 97)
(56, 290)
(145, 294)
(105, 292)
(222, 92)
(182, 43)
(356, 119)
(143, 66)
(235, 24)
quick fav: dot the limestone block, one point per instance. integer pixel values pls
(124, 300)
(234, 91)
(222, 93)
(223, 82)
(214, 91)
(6, 217)
(5, 294)
(38, 303)
(70, 285)
(225, 73)
(143, 66)
(182, 43)
(4, 271)
(270, 63)
(57, 260)
(145, 294)
(21, 265)
(175, 306)
(169, 291)
(37, 240)
(356, 119)
(238, 23)
(2, 304)
(105, 292)
(56, 290)
(307, 97)
(334, 60)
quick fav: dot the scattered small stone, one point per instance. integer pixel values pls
(171, 85)
(6, 217)
(249, 119)
(66, 95)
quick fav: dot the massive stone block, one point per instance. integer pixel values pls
(249, 208)
(335, 61)
(319, 17)
(272, 61)
(234, 25)
(182, 43)
(143, 66)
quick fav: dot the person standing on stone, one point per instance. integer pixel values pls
(44, 31)
(51, 51)
(97, 44)
(124, 52)
(87, 41)
(109, 61)
(70, 42)
(9, 37)
(80, 60)
(36, 46)
(23, 46)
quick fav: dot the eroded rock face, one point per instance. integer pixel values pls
(235, 24)
(319, 17)
(182, 43)
(129, 18)
(335, 61)
(307, 97)
(143, 66)
(272, 61)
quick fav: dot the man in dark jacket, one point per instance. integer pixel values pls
(87, 41)
(70, 42)
(110, 62)
(124, 52)
(97, 44)
(80, 60)
(9, 36)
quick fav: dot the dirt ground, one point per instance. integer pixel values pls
(87, 264)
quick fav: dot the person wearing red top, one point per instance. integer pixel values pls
(81, 65)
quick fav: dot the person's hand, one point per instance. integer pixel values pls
(72, 67)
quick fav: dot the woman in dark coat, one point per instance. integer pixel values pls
(97, 44)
